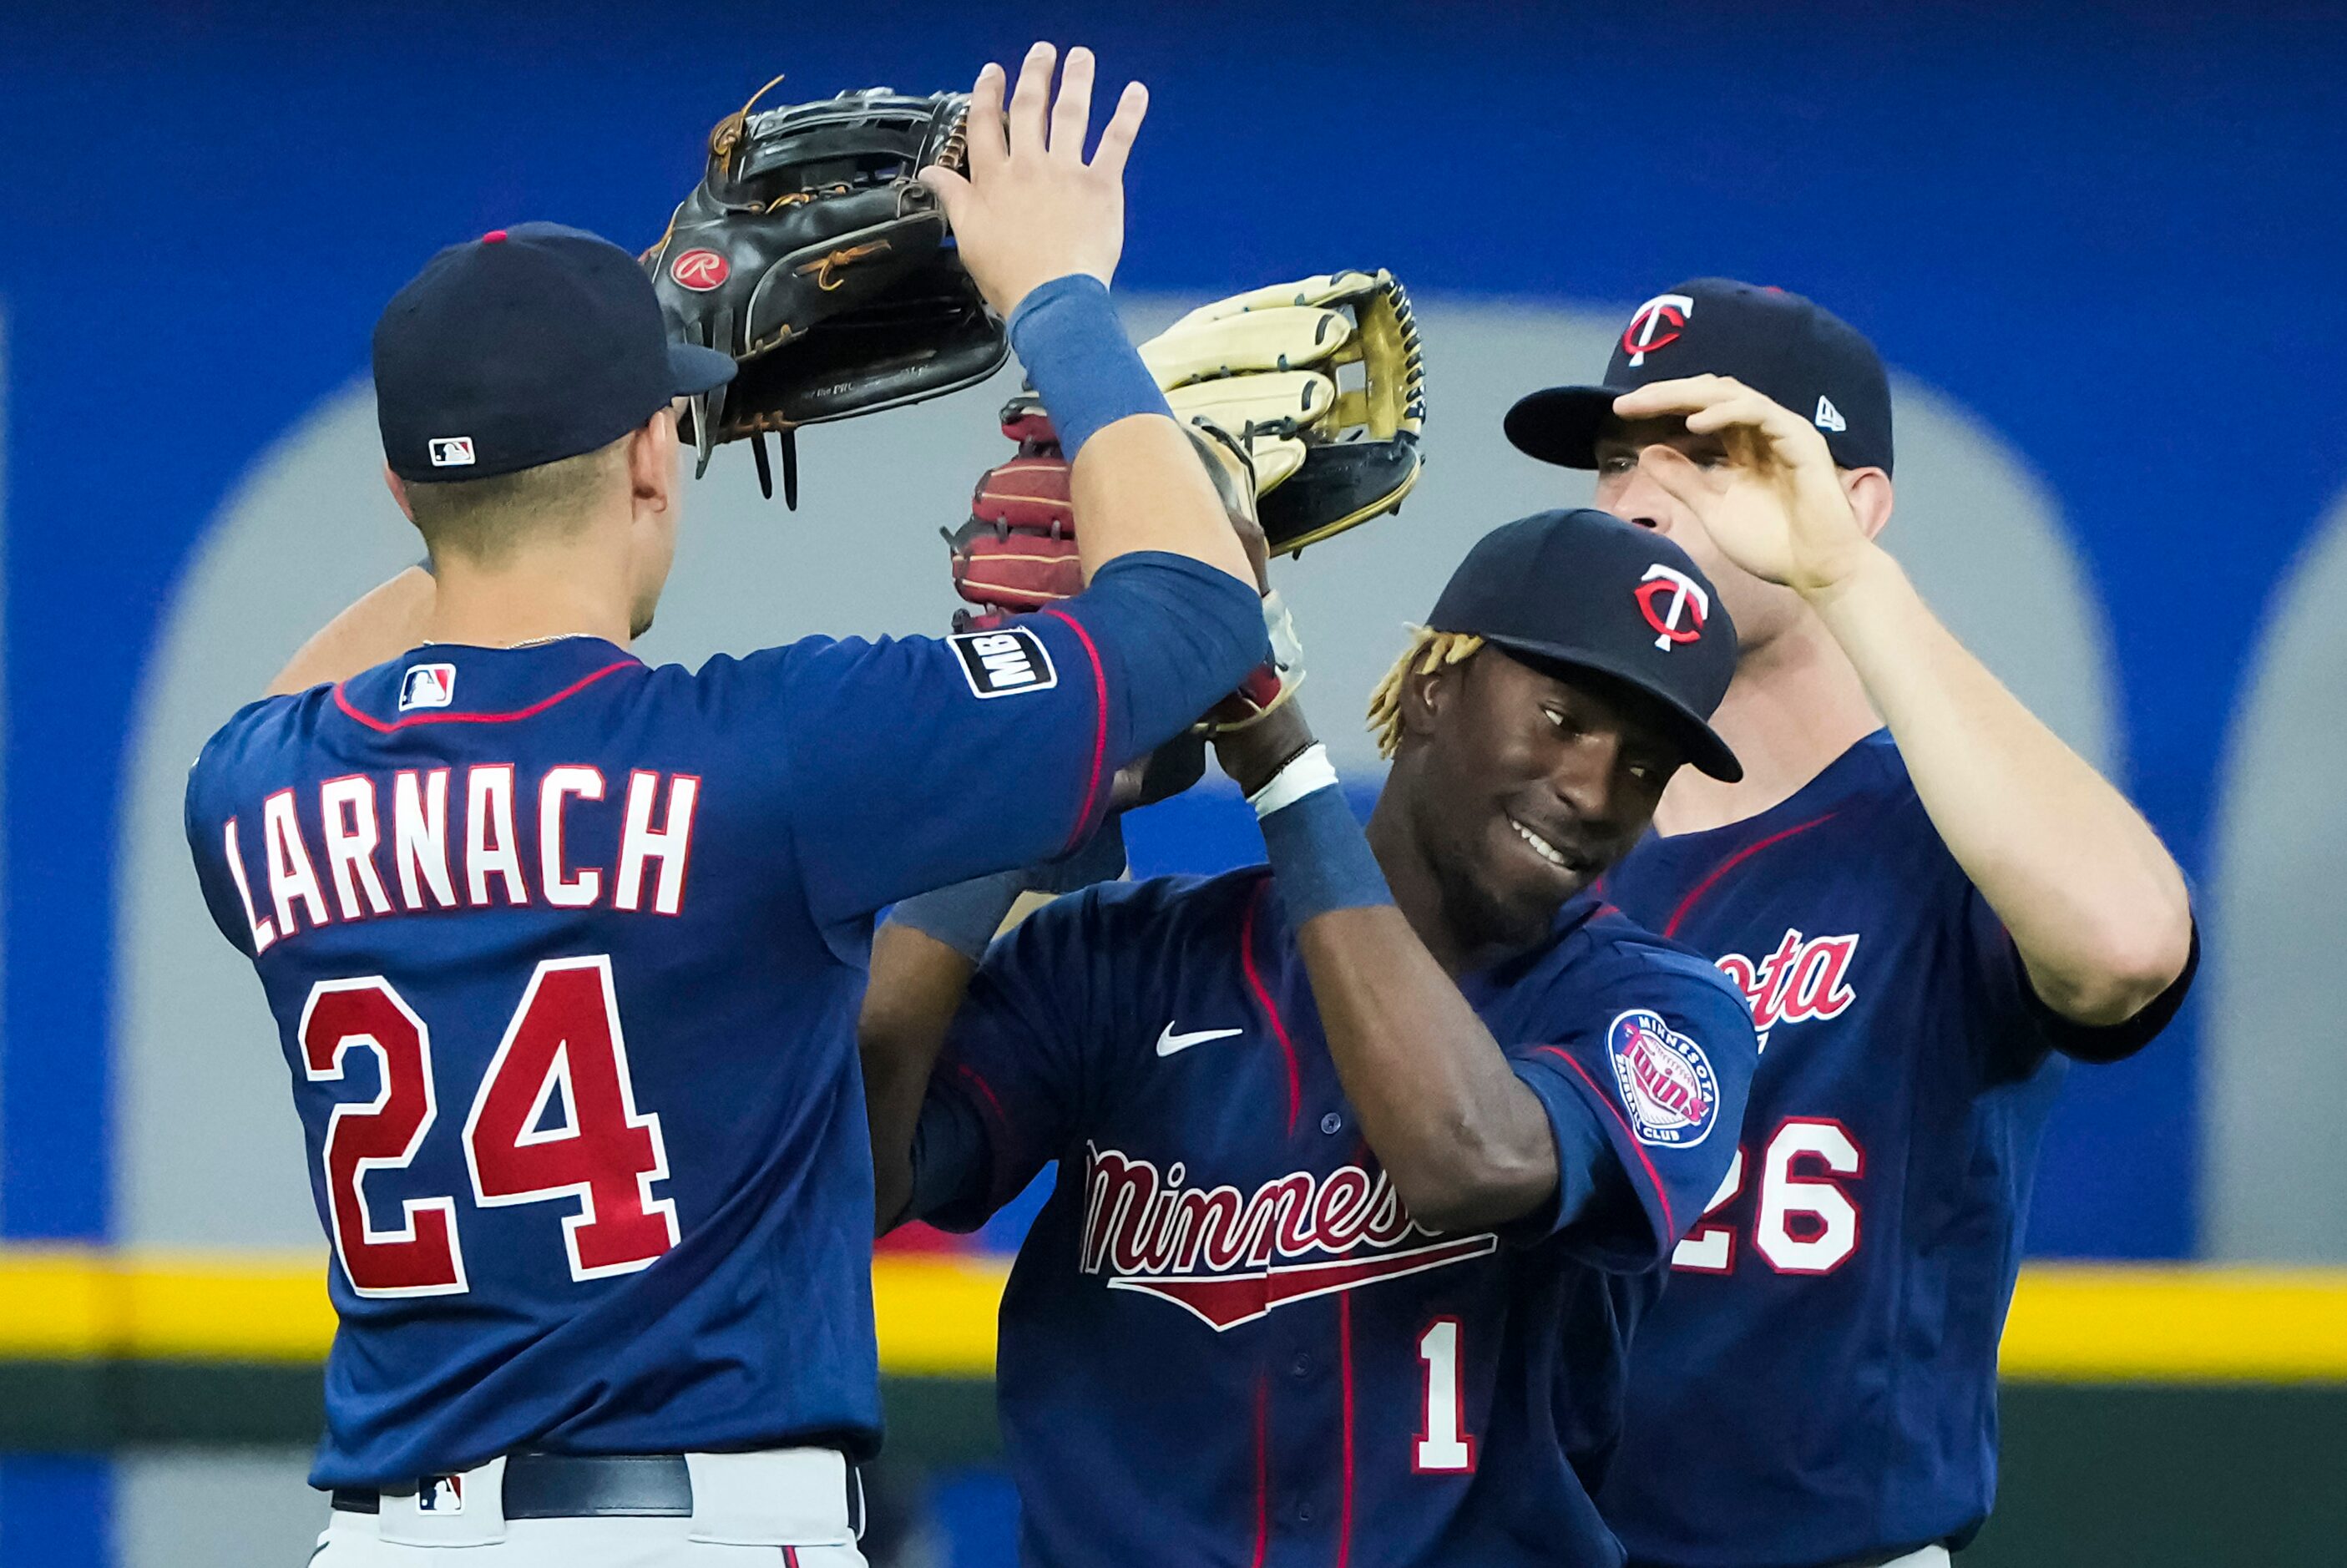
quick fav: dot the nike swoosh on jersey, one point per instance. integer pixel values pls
(1169, 1043)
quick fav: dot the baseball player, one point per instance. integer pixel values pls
(565, 950)
(1367, 1159)
(1932, 906)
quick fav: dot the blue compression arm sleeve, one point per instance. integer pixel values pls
(1175, 636)
(1078, 358)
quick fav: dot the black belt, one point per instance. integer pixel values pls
(575, 1486)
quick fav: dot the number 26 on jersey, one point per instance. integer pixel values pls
(1804, 1220)
(562, 1057)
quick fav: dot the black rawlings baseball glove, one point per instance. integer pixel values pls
(811, 255)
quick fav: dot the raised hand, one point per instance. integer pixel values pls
(1777, 506)
(1031, 209)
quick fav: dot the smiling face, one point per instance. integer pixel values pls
(1522, 784)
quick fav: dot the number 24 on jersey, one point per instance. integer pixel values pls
(562, 1052)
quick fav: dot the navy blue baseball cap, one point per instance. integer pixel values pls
(1586, 590)
(1792, 350)
(523, 347)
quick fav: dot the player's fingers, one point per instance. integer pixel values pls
(1760, 431)
(1677, 474)
(1742, 406)
(1116, 137)
(1027, 100)
(950, 189)
(1071, 113)
(1685, 394)
(983, 129)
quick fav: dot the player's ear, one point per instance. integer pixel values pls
(1869, 490)
(398, 489)
(1426, 695)
(654, 479)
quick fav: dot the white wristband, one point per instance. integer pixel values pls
(1306, 772)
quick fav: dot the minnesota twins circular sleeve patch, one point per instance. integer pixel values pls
(1666, 1080)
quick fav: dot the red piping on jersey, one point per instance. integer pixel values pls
(1270, 1011)
(1671, 926)
(1662, 1197)
(1344, 1350)
(1261, 1468)
(986, 1089)
(385, 727)
(1100, 730)
(994, 1107)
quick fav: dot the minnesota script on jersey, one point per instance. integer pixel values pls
(565, 953)
(1819, 1382)
(1226, 1339)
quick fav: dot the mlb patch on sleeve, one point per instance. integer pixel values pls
(1002, 662)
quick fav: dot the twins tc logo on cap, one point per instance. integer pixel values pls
(1656, 324)
(1674, 604)
(1666, 1081)
(427, 686)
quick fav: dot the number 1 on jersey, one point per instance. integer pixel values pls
(1443, 1446)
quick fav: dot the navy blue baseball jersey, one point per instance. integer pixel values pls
(1225, 1339)
(1818, 1385)
(565, 951)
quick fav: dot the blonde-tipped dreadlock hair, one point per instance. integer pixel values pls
(1428, 651)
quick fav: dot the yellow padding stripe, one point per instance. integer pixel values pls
(2070, 1322)
(2100, 1323)
(935, 1315)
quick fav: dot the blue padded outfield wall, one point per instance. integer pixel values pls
(2100, 249)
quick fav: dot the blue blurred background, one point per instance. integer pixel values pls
(2111, 235)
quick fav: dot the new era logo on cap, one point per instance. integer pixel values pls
(427, 686)
(1829, 416)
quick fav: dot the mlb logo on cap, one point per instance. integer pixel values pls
(451, 451)
(427, 686)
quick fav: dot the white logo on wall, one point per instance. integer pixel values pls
(1829, 418)
(999, 663)
(427, 686)
(451, 451)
